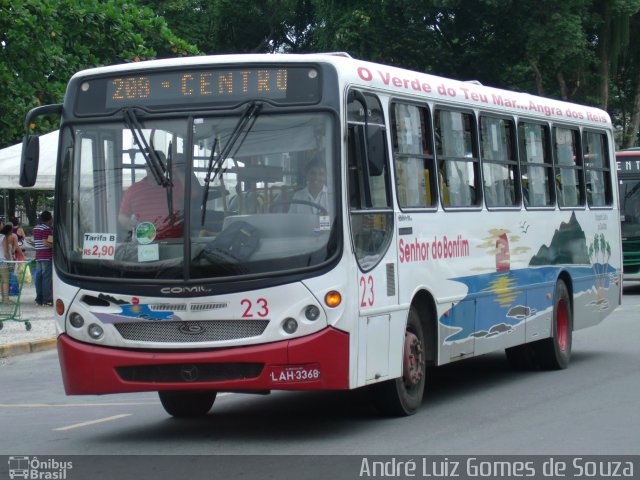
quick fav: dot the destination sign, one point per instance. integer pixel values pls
(629, 164)
(171, 89)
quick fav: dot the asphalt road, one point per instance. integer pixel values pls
(479, 406)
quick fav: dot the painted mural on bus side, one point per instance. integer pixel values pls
(585, 260)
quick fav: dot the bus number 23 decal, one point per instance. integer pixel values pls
(366, 285)
(261, 308)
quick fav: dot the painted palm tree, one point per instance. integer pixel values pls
(599, 254)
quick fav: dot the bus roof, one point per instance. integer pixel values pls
(396, 81)
(628, 152)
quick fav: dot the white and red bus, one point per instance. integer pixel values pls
(323, 223)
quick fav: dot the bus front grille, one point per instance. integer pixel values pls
(190, 373)
(191, 331)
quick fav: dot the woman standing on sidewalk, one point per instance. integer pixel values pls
(9, 248)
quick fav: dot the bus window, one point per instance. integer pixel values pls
(499, 163)
(369, 191)
(413, 155)
(535, 165)
(457, 158)
(569, 180)
(596, 162)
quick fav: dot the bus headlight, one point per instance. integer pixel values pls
(95, 331)
(312, 313)
(76, 320)
(290, 325)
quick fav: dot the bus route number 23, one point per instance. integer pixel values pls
(366, 285)
(259, 308)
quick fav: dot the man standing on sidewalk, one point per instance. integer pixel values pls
(43, 242)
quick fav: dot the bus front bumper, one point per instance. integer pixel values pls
(315, 362)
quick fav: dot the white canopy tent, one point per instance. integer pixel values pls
(10, 164)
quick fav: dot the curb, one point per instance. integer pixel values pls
(27, 347)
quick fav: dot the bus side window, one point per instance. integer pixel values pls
(536, 169)
(598, 172)
(499, 163)
(413, 155)
(457, 153)
(568, 162)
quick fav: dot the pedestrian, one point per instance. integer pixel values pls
(18, 231)
(9, 248)
(43, 242)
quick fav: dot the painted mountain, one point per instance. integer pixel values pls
(568, 247)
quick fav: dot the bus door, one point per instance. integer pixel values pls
(371, 221)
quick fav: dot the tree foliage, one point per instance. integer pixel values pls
(577, 50)
(44, 42)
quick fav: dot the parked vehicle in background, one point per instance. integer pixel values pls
(628, 166)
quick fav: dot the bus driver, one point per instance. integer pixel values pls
(315, 191)
(146, 201)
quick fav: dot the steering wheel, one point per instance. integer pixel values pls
(281, 203)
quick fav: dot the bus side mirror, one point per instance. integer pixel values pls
(376, 149)
(30, 160)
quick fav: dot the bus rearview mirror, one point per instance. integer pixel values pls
(375, 149)
(29, 160)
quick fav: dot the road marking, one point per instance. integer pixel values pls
(92, 422)
(74, 405)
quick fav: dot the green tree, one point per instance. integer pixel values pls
(240, 26)
(44, 42)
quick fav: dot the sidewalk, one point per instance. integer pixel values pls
(14, 337)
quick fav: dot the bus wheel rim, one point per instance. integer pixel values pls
(562, 325)
(413, 367)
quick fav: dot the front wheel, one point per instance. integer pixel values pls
(403, 396)
(554, 353)
(185, 404)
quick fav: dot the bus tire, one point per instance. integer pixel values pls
(554, 352)
(184, 404)
(403, 396)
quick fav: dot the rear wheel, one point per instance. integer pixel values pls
(554, 353)
(403, 396)
(185, 404)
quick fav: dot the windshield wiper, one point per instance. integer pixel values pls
(632, 191)
(157, 168)
(169, 178)
(244, 125)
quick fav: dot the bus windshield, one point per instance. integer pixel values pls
(197, 197)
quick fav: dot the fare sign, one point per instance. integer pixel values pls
(99, 246)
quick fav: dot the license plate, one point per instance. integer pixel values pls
(295, 373)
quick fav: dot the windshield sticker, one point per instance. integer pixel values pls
(324, 223)
(146, 233)
(99, 246)
(148, 253)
